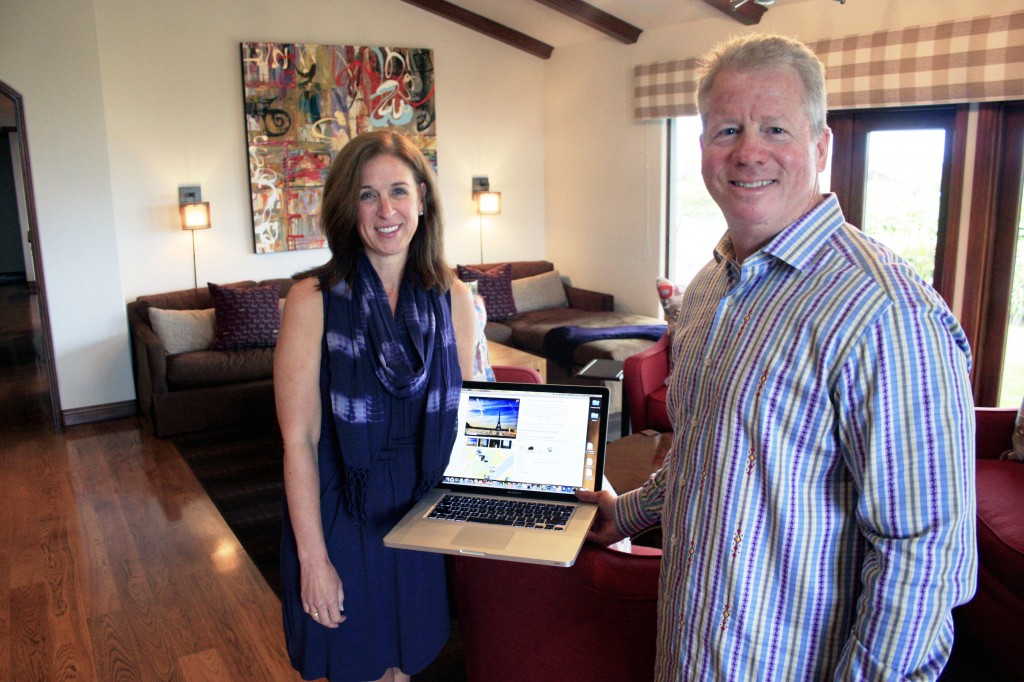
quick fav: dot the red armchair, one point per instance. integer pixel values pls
(594, 621)
(986, 626)
(643, 383)
(515, 374)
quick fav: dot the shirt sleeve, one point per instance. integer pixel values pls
(640, 509)
(906, 423)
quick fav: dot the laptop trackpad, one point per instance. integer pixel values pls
(487, 538)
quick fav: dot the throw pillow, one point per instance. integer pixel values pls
(481, 358)
(671, 297)
(1017, 453)
(183, 331)
(246, 317)
(539, 292)
(495, 286)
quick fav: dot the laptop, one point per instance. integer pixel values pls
(516, 443)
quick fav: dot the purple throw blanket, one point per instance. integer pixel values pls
(560, 343)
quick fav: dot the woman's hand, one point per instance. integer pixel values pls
(323, 597)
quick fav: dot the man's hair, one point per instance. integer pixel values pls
(339, 211)
(762, 52)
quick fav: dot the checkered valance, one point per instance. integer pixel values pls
(975, 60)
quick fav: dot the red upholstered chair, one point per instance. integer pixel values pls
(518, 375)
(594, 621)
(643, 383)
(988, 624)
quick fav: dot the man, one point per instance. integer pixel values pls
(817, 503)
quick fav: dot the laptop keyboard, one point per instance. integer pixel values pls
(515, 513)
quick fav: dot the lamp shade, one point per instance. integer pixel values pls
(195, 216)
(488, 203)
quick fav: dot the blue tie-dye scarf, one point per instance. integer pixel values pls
(367, 349)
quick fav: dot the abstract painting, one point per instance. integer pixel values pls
(302, 104)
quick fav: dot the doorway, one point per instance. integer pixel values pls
(27, 371)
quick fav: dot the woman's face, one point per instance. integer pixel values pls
(390, 203)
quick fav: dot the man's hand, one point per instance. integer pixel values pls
(603, 532)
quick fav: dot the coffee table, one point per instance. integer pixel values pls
(500, 354)
(630, 461)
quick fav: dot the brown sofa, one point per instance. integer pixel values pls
(526, 331)
(203, 388)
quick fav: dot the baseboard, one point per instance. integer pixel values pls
(98, 413)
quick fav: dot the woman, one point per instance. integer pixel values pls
(372, 352)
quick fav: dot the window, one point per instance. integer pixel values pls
(695, 223)
(892, 170)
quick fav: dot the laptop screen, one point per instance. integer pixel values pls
(541, 440)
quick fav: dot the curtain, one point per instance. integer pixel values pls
(973, 60)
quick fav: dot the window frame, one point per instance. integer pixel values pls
(850, 129)
(995, 206)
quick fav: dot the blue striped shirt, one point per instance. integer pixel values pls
(818, 500)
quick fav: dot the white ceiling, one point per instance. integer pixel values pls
(556, 29)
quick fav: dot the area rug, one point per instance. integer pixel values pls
(240, 467)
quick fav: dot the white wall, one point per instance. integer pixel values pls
(127, 99)
(605, 172)
(51, 58)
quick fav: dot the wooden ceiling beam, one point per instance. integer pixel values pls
(486, 26)
(596, 18)
(747, 12)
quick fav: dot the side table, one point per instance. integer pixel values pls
(602, 369)
(629, 461)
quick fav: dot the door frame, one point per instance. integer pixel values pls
(21, 133)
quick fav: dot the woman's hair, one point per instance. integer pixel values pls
(762, 52)
(339, 212)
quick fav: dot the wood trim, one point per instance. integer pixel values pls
(747, 12)
(484, 25)
(842, 152)
(99, 413)
(949, 263)
(596, 18)
(979, 243)
(1002, 233)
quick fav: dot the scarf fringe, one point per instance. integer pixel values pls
(355, 492)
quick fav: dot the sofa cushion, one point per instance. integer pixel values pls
(539, 292)
(183, 331)
(481, 358)
(529, 330)
(1017, 452)
(246, 318)
(671, 296)
(1000, 532)
(495, 286)
(216, 368)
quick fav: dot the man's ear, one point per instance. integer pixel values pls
(821, 146)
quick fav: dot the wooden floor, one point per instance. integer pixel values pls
(114, 564)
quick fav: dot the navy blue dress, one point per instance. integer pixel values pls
(396, 601)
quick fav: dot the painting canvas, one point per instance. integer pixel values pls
(302, 104)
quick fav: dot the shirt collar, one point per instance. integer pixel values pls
(797, 243)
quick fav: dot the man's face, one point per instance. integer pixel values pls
(760, 159)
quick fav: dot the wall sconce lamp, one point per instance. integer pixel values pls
(195, 215)
(487, 203)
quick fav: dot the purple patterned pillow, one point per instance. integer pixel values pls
(245, 317)
(495, 286)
